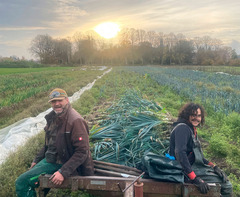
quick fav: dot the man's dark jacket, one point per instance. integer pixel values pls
(181, 144)
(72, 143)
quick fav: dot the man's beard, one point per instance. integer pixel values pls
(60, 113)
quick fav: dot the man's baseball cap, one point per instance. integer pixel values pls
(57, 94)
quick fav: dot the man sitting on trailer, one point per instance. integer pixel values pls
(186, 148)
(66, 151)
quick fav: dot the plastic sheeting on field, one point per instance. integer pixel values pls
(17, 134)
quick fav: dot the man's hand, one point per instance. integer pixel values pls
(202, 186)
(57, 178)
(32, 165)
(220, 173)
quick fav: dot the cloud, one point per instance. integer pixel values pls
(24, 19)
(65, 13)
(22, 28)
(12, 43)
(50, 13)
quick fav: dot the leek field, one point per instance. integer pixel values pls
(217, 89)
(24, 94)
(23, 90)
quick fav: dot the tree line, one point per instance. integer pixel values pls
(133, 47)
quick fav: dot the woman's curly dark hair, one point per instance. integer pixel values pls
(190, 109)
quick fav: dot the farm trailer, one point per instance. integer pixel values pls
(114, 180)
(124, 187)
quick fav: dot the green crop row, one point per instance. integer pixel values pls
(220, 90)
(18, 70)
(19, 91)
(17, 87)
(223, 69)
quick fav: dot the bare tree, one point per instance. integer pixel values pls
(62, 51)
(85, 48)
(42, 47)
(183, 52)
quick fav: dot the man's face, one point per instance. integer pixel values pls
(195, 119)
(59, 105)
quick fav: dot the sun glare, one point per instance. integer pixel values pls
(107, 30)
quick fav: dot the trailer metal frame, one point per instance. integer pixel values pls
(111, 187)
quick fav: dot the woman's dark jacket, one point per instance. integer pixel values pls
(181, 145)
(72, 143)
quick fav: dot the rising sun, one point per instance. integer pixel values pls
(107, 30)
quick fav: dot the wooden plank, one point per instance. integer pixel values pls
(111, 173)
(116, 169)
(117, 166)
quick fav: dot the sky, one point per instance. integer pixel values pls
(22, 20)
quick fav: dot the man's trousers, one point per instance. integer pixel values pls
(28, 181)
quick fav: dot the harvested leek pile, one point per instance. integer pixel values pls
(133, 127)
